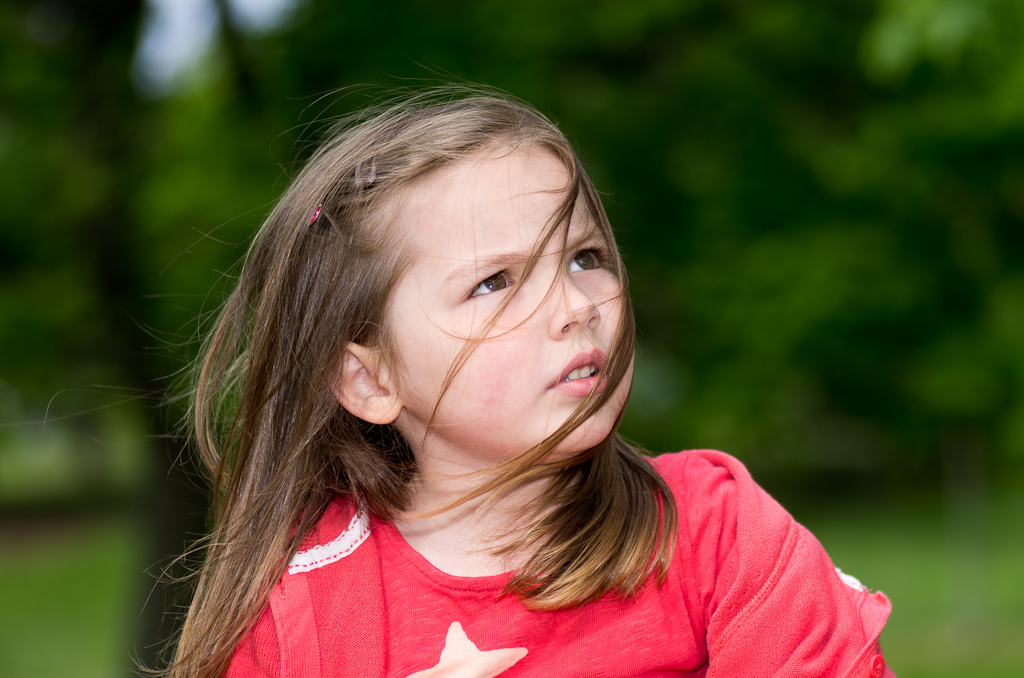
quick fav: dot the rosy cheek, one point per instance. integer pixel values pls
(501, 371)
(496, 391)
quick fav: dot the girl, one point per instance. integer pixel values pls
(409, 408)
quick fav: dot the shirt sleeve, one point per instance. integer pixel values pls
(769, 598)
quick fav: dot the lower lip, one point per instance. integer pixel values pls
(582, 387)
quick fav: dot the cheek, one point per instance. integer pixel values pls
(425, 357)
(496, 372)
(608, 295)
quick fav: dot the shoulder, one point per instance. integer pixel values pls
(724, 512)
(331, 584)
(288, 628)
(705, 481)
(754, 565)
(699, 465)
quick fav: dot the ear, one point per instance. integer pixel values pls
(363, 387)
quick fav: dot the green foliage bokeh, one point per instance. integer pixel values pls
(820, 203)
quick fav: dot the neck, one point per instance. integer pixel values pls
(462, 540)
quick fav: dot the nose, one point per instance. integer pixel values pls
(573, 308)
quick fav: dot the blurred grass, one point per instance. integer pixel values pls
(72, 592)
(956, 611)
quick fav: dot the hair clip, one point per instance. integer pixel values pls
(364, 182)
(316, 214)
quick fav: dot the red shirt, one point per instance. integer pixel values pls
(749, 593)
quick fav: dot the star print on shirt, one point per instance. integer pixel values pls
(460, 658)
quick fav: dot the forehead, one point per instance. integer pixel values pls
(486, 204)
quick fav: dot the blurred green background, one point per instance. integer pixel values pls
(821, 205)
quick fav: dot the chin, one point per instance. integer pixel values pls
(599, 427)
(588, 435)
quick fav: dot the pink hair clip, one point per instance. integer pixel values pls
(316, 214)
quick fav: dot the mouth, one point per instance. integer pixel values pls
(584, 365)
(581, 373)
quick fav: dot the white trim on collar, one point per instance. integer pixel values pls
(344, 544)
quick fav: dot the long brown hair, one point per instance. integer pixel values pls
(279, 446)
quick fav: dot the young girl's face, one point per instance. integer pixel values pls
(472, 227)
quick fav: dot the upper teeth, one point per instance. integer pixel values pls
(581, 373)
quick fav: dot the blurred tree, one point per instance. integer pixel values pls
(75, 313)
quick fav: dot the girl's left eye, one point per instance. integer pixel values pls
(584, 261)
(498, 281)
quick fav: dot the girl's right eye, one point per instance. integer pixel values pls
(498, 281)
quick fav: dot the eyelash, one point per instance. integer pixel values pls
(482, 287)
